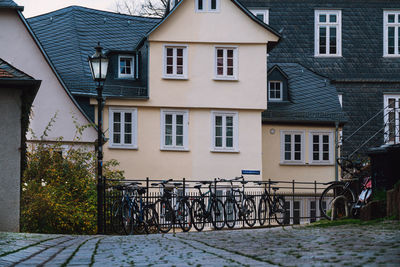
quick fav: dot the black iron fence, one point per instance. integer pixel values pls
(301, 198)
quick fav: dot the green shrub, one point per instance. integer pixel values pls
(59, 190)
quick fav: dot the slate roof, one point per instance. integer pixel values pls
(362, 38)
(69, 36)
(10, 4)
(11, 73)
(312, 99)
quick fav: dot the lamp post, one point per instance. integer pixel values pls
(98, 64)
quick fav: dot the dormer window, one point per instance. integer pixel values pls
(275, 90)
(126, 69)
(278, 85)
(261, 14)
(207, 5)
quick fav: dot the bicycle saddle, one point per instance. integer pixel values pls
(275, 188)
(141, 190)
(205, 182)
(243, 182)
(177, 184)
(134, 183)
(197, 186)
(154, 184)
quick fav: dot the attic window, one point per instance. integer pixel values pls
(275, 90)
(391, 34)
(207, 5)
(261, 14)
(126, 69)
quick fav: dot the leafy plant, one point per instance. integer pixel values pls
(59, 187)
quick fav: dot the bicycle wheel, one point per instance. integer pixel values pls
(126, 218)
(230, 212)
(262, 211)
(340, 195)
(198, 215)
(138, 222)
(116, 217)
(279, 210)
(151, 220)
(183, 215)
(249, 212)
(166, 216)
(217, 214)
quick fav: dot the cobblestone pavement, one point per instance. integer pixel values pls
(352, 245)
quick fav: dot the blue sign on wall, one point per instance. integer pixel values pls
(250, 172)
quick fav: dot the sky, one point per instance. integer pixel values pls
(38, 7)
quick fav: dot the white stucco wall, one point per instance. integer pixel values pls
(19, 49)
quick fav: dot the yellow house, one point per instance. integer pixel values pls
(206, 91)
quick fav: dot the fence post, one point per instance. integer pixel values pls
(147, 190)
(269, 192)
(315, 198)
(104, 205)
(292, 217)
(184, 187)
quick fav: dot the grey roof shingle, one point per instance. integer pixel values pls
(311, 98)
(69, 36)
(362, 38)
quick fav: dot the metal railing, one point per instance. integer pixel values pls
(301, 198)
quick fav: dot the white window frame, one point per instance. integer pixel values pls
(269, 91)
(340, 96)
(282, 145)
(207, 6)
(328, 24)
(264, 12)
(235, 143)
(331, 147)
(184, 75)
(224, 76)
(123, 75)
(122, 145)
(396, 118)
(386, 26)
(174, 112)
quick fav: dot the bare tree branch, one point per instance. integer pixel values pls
(147, 8)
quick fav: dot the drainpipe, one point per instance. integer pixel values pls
(336, 150)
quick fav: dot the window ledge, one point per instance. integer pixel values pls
(123, 147)
(328, 56)
(391, 56)
(293, 163)
(226, 79)
(175, 78)
(321, 164)
(174, 149)
(214, 150)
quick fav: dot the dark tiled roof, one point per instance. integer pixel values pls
(10, 4)
(362, 37)
(69, 36)
(9, 72)
(312, 99)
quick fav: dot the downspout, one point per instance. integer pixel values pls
(336, 151)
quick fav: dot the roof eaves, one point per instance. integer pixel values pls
(51, 65)
(254, 18)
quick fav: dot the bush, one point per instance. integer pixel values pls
(59, 190)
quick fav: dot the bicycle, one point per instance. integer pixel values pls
(135, 216)
(173, 208)
(338, 200)
(213, 212)
(245, 207)
(273, 205)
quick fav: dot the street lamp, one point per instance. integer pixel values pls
(98, 64)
